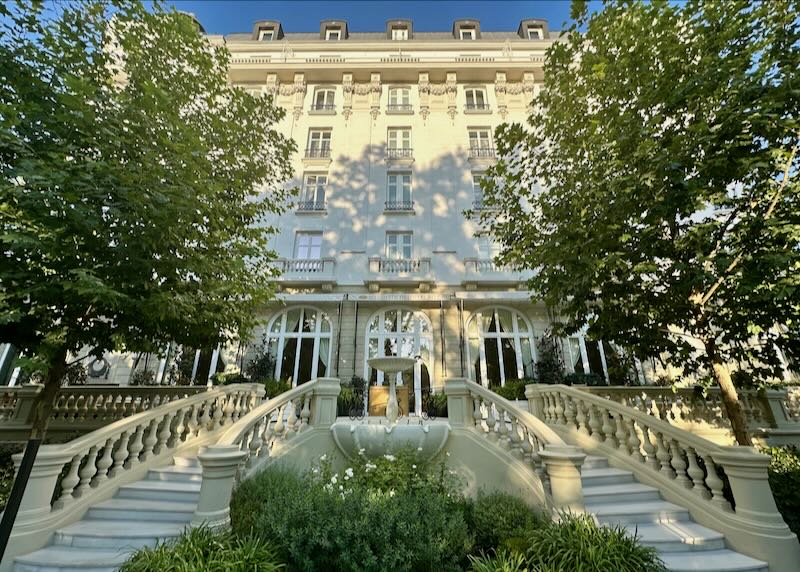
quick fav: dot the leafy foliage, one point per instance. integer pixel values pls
(203, 550)
(502, 561)
(784, 480)
(655, 187)
(513, 389)
(502, 520)
(261, 366)
(383, 514)
(589, 379)
(578, 544)
(133, 186)
(549, 361)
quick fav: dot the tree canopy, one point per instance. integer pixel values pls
(655, 186)
(134, 181)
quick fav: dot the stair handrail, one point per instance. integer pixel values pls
(279, 419)
(677, 462)
(67, 478)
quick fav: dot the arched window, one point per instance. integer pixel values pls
(499, 346)
(300, 340)
(406, 333)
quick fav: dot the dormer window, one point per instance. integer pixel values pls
(333, 34)
(535, 33)
(399, 33)
(266, 34)
(467, 33)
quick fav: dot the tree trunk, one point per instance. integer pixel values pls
(730, 397)
(41, 416)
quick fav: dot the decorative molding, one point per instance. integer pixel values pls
(291, 88)
(451, 111)
(424, 112)
(374, 112)
(347, 112)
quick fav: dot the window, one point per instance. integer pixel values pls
(477, 191)
(319, 143)
(407, 333)
(266, 34)
(476, 99)
(399, 33)
(480, 139)
(398, 245)
(324, 99)
(535, 34)
(399, 138)
(488, 249)
(500, 346)
(398, 194)
(587, 356)
(313, 192)
(299, 340)
(308, 246)
(399, 99)
(333, 34)
(467, 33)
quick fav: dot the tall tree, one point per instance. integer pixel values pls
(655, 186)
(134, 180)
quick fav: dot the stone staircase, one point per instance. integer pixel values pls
(156, 508)
(614, 497)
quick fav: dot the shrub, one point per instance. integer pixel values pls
(784, 480)
(274, 387)
(350, 402)
(7, 471)
(513, 389)
(502, 561)
(142, 377)
(381, 514)
(230, 378)
(501, 520)
(203, 550)
(262, 366)
(590, 379)
(549, 365)
(578, 543)
(435, 404)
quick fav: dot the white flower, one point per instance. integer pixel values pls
(447, 453)
(323, 457)
(419, 449)
(413, 466)
(334, 478)
(18, 181)
(348, 472)
(361, 451)
(341, 488)
(315, 471)
(369, 466)
(389, 457)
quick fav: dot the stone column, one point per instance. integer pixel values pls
(563, 466)
(535, 401)
(459, 404)
(220, 464)
(323, 402)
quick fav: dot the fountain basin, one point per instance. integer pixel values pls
(380, 439)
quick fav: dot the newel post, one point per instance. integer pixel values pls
(535, 401)
(35, 505)
(459, 406)
(26, 399)
(767, 536)
(323, 402)
(775, 399)
(220, 464)
(563, 466)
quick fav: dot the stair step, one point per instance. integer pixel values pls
(605, 476)
(186, 462)
(161, 490)
(594, 462)
(67, 558)
(712, 561)
(142, 510)
(186, 474)
(116, 534)
(678, 537)
(616, 492)
(638, 512)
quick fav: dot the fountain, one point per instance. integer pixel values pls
(391, 366)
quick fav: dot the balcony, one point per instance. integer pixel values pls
(311, 207)
(487, 272)
(399, 109)
(399, 156)
(322, 109)
(482, 155)
(399, 206)
(307, 272)
(317, 156)
(399, 272)
(477, 108)
(480, 206)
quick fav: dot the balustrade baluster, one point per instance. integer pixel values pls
(634, 445)
(278, 428)
(550, 408)
(120, 454)
(502, 433)
(165, 432)
(608, 429)
(649, 448)
(205, 418)
(87, 472)
(135, 447)
(715, 483)
(266, 437)
(580, 417)
(194, 424)
(594, 422)
(526, 446)
(569, 412)
(558, 410)
(515, 441)
(477, 414)
(621, 434)
(255, 443)
(679, 464)
(305, 413)
(227, 409)
(662, 453)
(104, 463)
(150, 440)
(696, 474)
(68, 483)
(291, 418)
(180, 427)
(219, 413)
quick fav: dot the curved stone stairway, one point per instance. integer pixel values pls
(156, 508)
(614, 497)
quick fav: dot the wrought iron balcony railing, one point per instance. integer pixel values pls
(323, 107)
(476, 107)
(311, 206)
(399, 153)
(399, 205)
(475, 152)
(318, 152)
(399, 108)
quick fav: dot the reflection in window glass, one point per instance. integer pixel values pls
(300, 340)
(499, 346)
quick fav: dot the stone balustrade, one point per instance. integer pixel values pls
(773, 416)
(83, 408)
(723, 487)
(67, 478)
(521, 434)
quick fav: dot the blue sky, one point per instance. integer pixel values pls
(226, 16)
